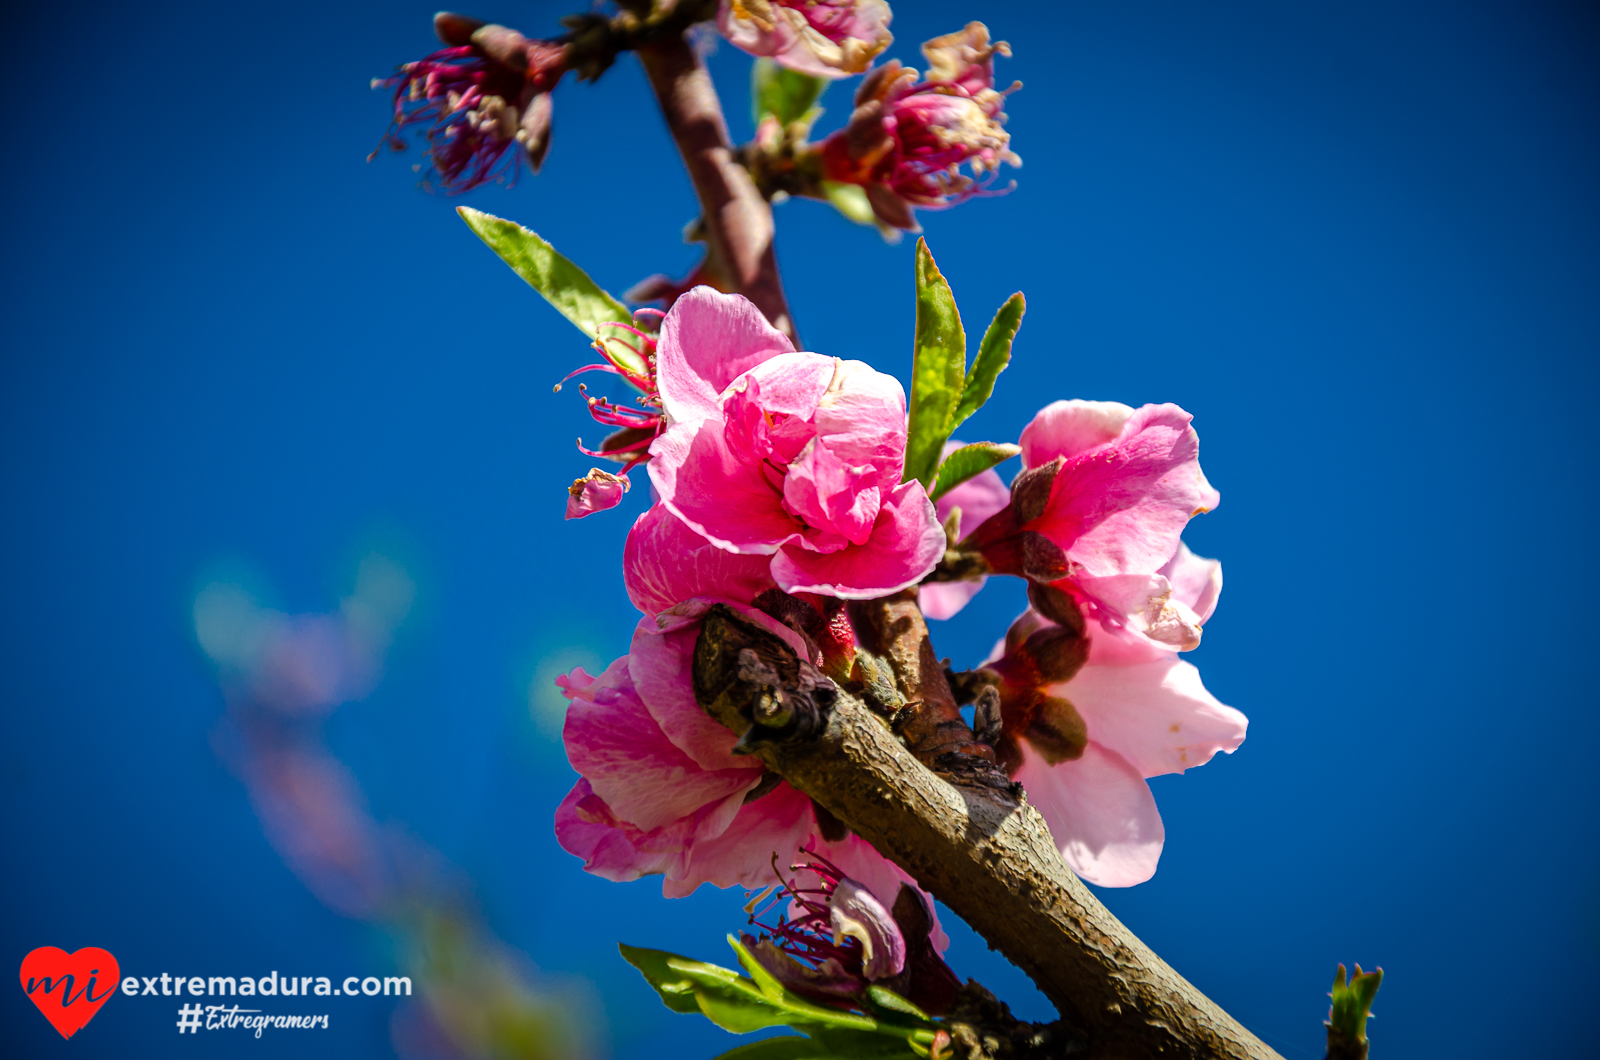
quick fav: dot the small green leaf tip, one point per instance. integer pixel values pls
(994, 353)
(563, 284)
(1347, 1017)
(787, 95)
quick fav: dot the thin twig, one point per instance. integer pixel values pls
(738, 221)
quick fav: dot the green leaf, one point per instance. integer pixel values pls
(1352, 1003)
(562, 283)
(885, 998)
(850, 200)
(968, 461)
(938, 370)
(731, 1001)
(994, 353)
(765, 980)
(856, 1045)
(783, 1047)
(675, 988)
(787, 95)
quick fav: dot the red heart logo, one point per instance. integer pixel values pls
(69, 988)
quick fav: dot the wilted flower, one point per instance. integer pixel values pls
(796, 456)
(907, 140)
(485, 92)
(823, 38)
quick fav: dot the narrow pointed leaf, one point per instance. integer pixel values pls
(938, 370)
(563, 284)
(968, 461)
(676, 989)
(885, 998)
(994, 353)
(765, 980)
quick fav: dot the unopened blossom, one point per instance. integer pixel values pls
(1099, 509)
(794, 456)
(485, 92)
(595, 492)
(1090, 713)
(907, 140)
(823, 38)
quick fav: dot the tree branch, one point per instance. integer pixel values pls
(738, 221)
(983, 853)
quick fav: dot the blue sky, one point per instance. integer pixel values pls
(1362, 245)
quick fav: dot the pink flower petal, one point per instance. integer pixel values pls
(1100, 812)
(1067, 428)
(1119, 508)
(733, 502)
(942, 600)
(1156, 714)
(1196, 581)
(708, 339)
(862, 419)
(978, 498)
(827, 493)
(1142, 605)
(906, 543)
(665, 563)
(780, 822)
(615, 850)
(614, 742)
(595, 492)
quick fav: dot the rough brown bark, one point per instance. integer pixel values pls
(738, 221)
(984, 853)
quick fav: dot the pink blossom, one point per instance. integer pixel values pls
(595, 492)
(823, 38)
(907, 140)
(1145, 713)
(1109, 488)
(646, 805)
(665, 563)
(977, 498)
(795, 456)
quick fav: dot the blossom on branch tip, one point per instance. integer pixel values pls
(487, 90)
(794, 456)
(823, 38)
(907, 140)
